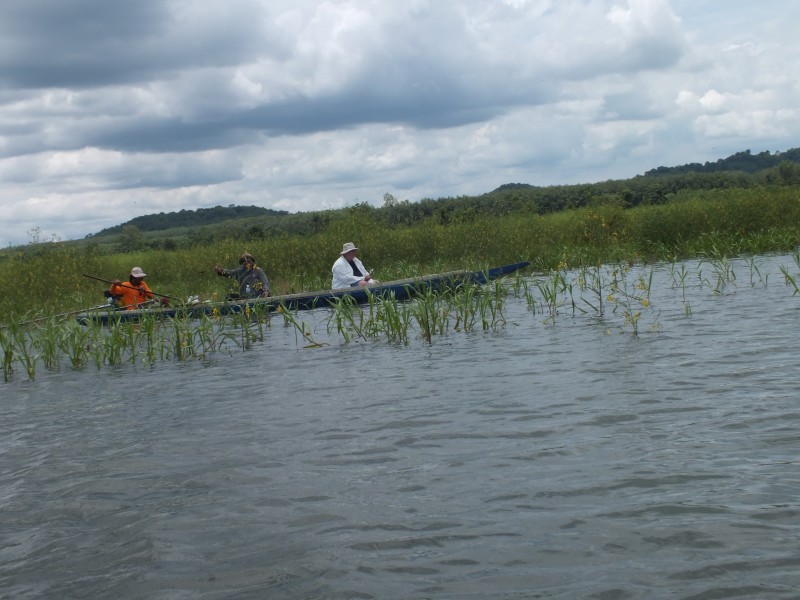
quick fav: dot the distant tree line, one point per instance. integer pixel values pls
(193, 228)
(192, 218)
(741, 161)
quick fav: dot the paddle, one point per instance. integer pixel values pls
(127, 286)
(58, 316)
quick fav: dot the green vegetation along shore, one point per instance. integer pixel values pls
(47, 278)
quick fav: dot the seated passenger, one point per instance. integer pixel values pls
(348, 271)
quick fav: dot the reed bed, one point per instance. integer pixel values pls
(56, 344)
(591, 261)
(47, 278)
(59, 344)
(618, 295)
(594, 291)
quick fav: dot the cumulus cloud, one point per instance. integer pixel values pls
(303, 105)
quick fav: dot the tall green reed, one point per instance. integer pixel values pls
(722, 269)
(790, 279)
(592, 280)
(631, 297)
(393, 319)
(679, 277)
(429, 315)
(300, 327)
(551, 290)
(6, 353)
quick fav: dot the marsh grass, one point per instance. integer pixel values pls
(621, 290)
(25, 351)
(790, 279)
(463, 308)
(584, 261)
(347, 319)
(74, 342)
(146, 341)
(489, 304)
(631, 297)
(756, 278)
(6, 353)
(429, 314)
(723, 273)
(592, 281)
(717, 222)
(594, 291)
(679, 280)
(552, 291)
(392, 319)
(301, 328)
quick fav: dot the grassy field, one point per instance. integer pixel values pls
(48, 278)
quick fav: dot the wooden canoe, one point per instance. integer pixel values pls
(401, 289)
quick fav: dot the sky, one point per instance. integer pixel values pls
(113, 110)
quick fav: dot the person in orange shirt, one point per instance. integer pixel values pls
(133, 293)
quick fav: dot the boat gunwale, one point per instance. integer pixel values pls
(301, 300)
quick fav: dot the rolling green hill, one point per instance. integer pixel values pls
(192, 218)
(191, 228)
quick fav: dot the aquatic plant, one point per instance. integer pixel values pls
(25, 350)
(491, 299)
(47, 342)
(347, 317)
(722, 268)
(755, 274)
(679, 280)
(790, 279)
(300, 327)
(551, 289)
(392, 319)
(429, 314)
(592, 280)
(6, 353)
(631, 297)
(75, 342)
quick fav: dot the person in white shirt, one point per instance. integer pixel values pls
(348, 270)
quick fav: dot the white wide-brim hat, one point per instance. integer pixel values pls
(137, 272)
(349, 246)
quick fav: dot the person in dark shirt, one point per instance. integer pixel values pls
(253, 282)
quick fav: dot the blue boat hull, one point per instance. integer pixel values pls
(401, 289)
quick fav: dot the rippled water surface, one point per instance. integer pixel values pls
(542, 460)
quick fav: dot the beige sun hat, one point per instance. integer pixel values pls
(348, 246)
(137, 272)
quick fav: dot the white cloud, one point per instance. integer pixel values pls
(712, 100)
(305, 105)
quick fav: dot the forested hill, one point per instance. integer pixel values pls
(193, 218)
(656, 186)
(741, 161)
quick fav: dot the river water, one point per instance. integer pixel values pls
(560, 458)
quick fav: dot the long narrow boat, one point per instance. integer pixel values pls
(400, 289)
